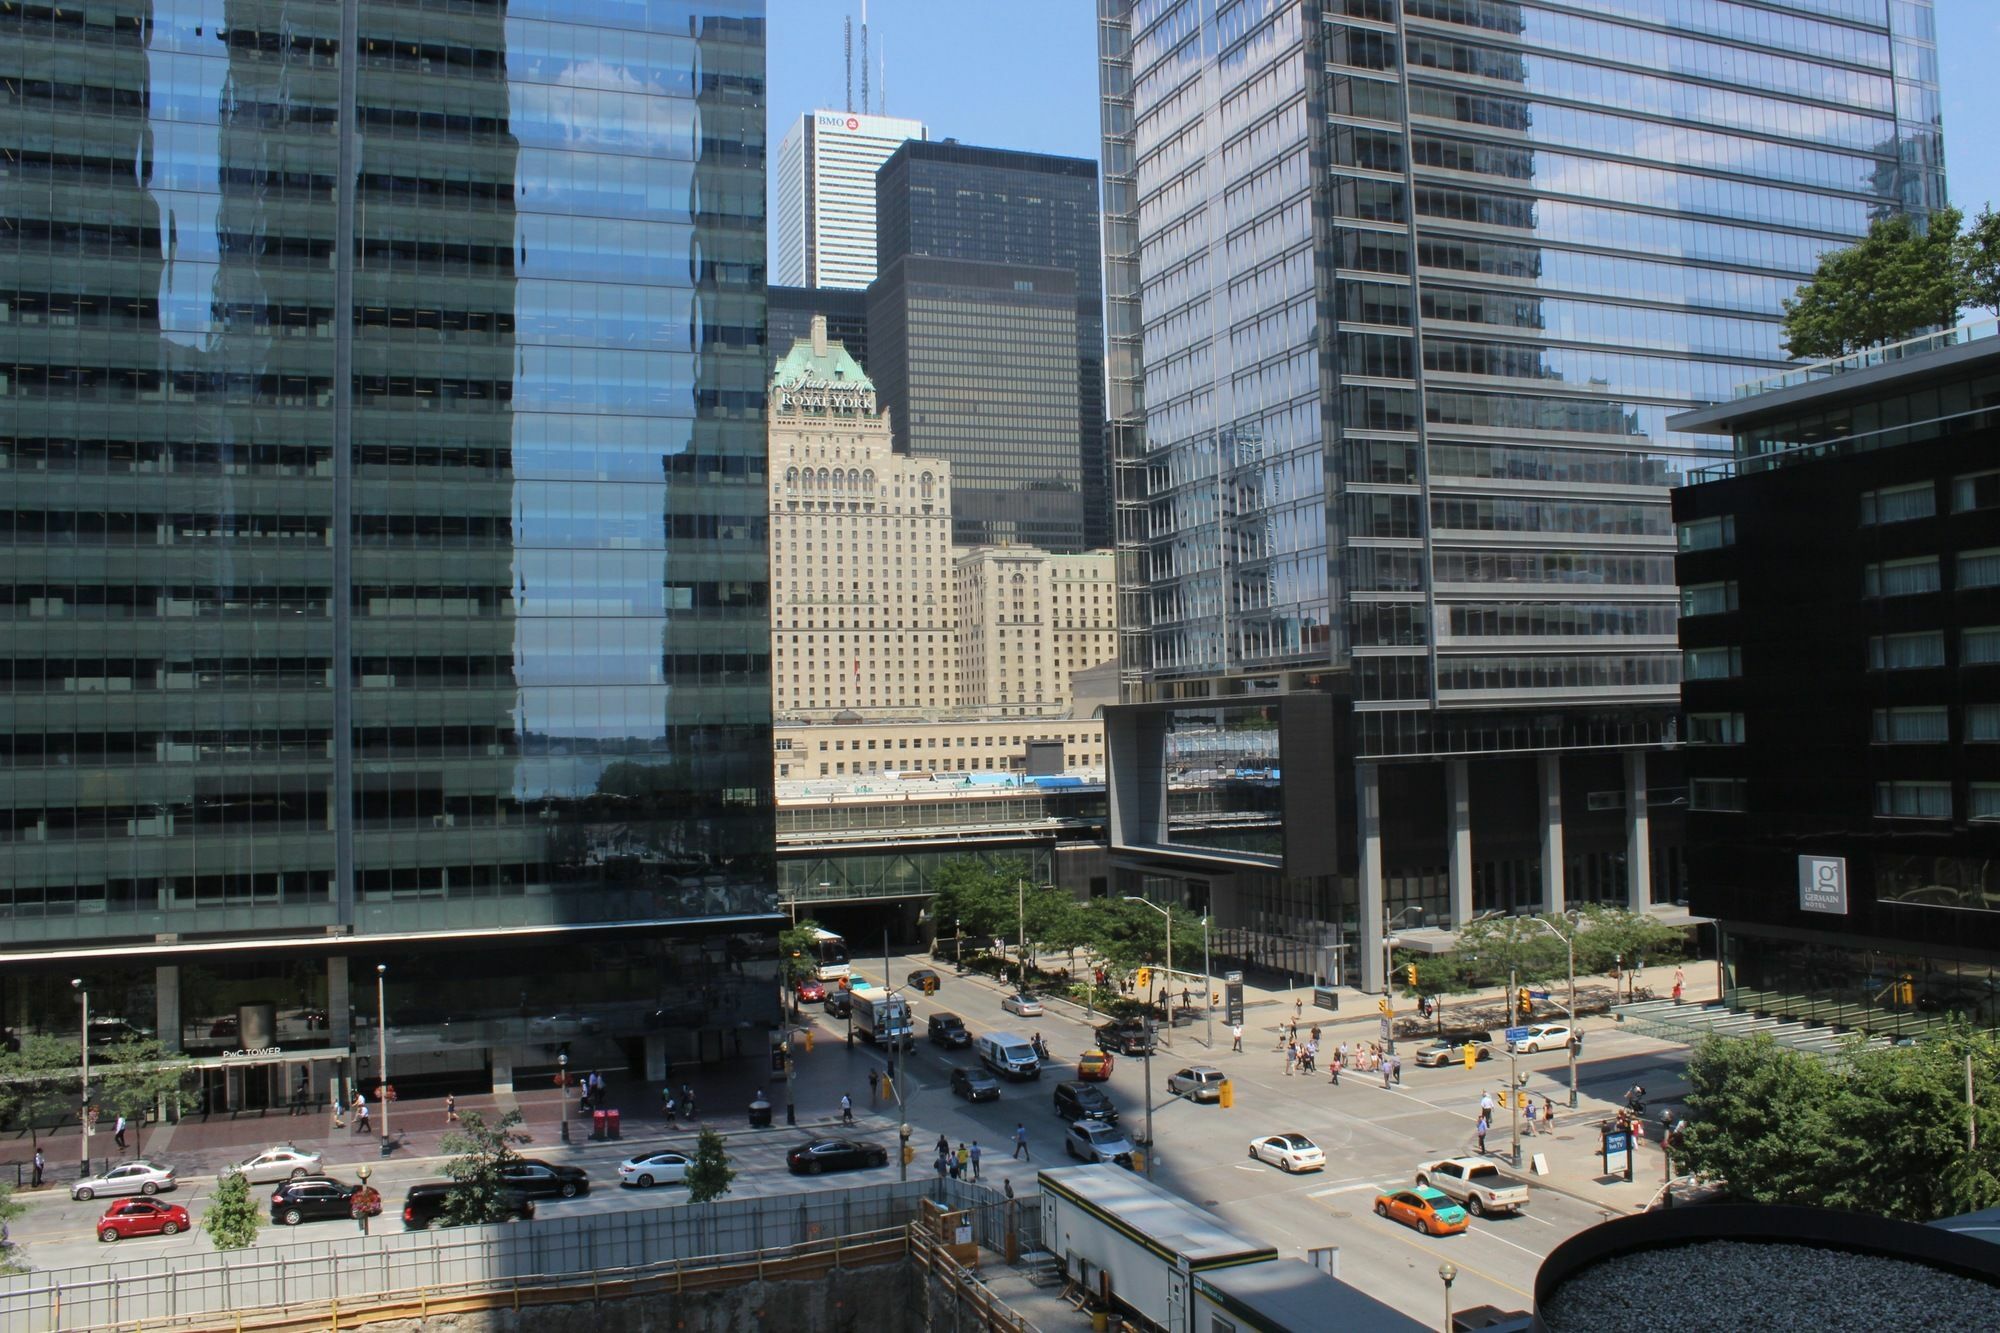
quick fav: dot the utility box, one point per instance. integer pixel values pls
(952, 1229)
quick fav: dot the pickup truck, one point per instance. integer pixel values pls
(1476, 1184)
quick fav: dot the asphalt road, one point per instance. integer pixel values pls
(1374, 1138)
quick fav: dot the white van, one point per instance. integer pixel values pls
(1008, 1054)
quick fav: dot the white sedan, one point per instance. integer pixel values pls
(660, 1168)
(1543, 1037)
(1025, 1005)
(283, 1162)
(135, 1177)
(1288, 1152)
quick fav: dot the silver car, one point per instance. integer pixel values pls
(283, 1162)
(1095, 1141)
(1024, 1005)
(135, 1177)
(1197, 1083)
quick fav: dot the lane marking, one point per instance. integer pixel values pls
(1345, 1189)
(1504, 1241)
(1463, 1267)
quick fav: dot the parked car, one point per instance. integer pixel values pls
(1096, 1141)
(925, 980)
(822, 1155)
(975, 1085)
(1084, 1101)
(1425, 1209)
(1127, 1036)
(948, 1031)
(311, 1199)
(1438, 1052)
(839, 1003)
(135, 1177)
(544, 1180)
(1288, 1152)
(423, 1206)
(1543, 1037)
(283, 1162)
(1197, 1083)
(1094, 1066)
(1024, 1005)
(1475, 1183)
(811, 990)
(141, 1217)
(658, 1168)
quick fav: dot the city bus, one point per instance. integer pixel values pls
(830, 962)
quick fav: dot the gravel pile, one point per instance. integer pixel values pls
(1774, 1288)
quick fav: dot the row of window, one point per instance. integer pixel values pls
(973, 765)
(1913, 799)
(1925, 573)
(1927, 724)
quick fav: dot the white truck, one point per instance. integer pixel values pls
(1474, 1183)
(883, 1018)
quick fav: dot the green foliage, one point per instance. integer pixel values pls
(233, 1215)
(1604, 937)
(480, 1152)
(10, 1208)
(709, 1173)
(979, 897)
(798, 952)
(1892, 283)
(1980, 246)
(1883, 1131)
(134, 1076)
(38, 1083)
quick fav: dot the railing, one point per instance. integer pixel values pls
(1869, 357)
(1886, 437)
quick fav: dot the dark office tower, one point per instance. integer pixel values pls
(977, 365)
(382, 569)
(789, 315)
(1417, 284)
(947, 200)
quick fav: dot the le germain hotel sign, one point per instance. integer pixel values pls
(1823, 884)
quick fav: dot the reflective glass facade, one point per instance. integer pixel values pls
(382, 450)
(1419, 282)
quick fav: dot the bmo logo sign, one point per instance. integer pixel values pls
(833, 120)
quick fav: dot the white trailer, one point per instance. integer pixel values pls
(1119, 1235)
(883, 1018)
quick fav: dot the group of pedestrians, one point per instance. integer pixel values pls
(962, 1164)
(1532, 1116)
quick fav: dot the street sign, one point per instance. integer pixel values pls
(1516, 1034)
(1617, 1141)
(1232, 992)
(1538, 995)
(1385, 1029)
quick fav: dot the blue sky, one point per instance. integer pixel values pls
(1023, 74)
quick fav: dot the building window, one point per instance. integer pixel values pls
(1906, 652)
(1979, 647)
(1913, 800)
(1911, 726)
(1715, 728)
(1707, 599)
(1975, 490)
(1725, 794)
(1711, 663)
(1983, 801)
(1982, 722)
(1979, 569)
(1901, 578)
(1707, 534)
(1896, 504)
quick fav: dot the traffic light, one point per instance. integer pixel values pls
(1410, 974)
(1522, 1000)
(778, 1059)
(1143, 978)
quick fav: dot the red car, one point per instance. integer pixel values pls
(141, 1217)
(811, 991)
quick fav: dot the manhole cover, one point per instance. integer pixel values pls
(1339, 1212)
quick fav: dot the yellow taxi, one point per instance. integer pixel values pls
(1094, 1066)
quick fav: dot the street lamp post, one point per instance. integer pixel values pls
(1569, 943)
(83, 1105)
(562, 1086)
(382, 1052)
(1207, 986)
(1389, 967)
(1448, 1274)
(1168, 913)
(1513, 1079)
(1021, 925)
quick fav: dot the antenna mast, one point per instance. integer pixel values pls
(847, 40)
(864, 57)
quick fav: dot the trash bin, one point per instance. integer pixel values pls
(611, 1128)
(760, 1114)
(597, 1119)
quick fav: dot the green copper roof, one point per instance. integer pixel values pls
(800, 365)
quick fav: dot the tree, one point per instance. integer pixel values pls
(1492, 947)
(1612, 936)
(10, 1208)
(979, 897)
(136, 1074)
(233, 1216)
(1897, 280)
(1980, 251)
(38, 1083)
(481, 1153)
(709, 1174)
(798, 952)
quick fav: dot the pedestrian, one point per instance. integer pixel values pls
(302, 1094)
(874, 1086)
(1486, 1105)
(40, 1165)
(596, 1088)
(1479, 1131)
(973, 1158)
(1680, 980)
(1187, 997)
(1396, 1067)
(360, 1114)
(1315, 1037)
(943, 1148)
(846, 1109)
(338, 1121)
(1293, 1033)
(1298, 1009)
(1008, 1186)
(118, 1134)
(1235, 1036)
(1291, 1057)
(687, 1100)
(963, 1163)
(939, 1165)
(1021, 1142)
(666, 1100)
(450, 1108)
(673, 1112)
(1548, 1116)
(1333, 1066)
(1385, 1073)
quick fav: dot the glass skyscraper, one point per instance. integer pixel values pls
(384, 561)
(1402, 293)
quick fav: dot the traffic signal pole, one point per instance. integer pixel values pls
(1513, 1080)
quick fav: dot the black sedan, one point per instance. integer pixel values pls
(975, 1085)
(311, 1199)
(822, 1155)
(544, 1180)
(925, 980)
